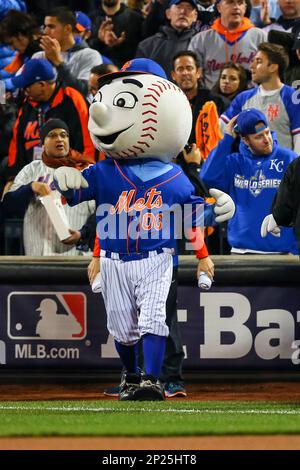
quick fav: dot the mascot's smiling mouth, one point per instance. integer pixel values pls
(109, 139)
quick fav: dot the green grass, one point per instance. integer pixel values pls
(171, 418)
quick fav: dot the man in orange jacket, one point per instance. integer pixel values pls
(46, 99)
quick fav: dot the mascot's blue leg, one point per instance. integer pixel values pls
(128, 356)
(154, 352)
(131, 379)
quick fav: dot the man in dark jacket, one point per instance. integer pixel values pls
(291, 42)
(182, 15)
(116, 31)
(46, 99)
(286, 205)
(156, 16)
(186, 73)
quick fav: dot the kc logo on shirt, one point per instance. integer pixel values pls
(277, 165)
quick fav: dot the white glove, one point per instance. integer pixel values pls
(69, 178)
(269, 225)
(224, 207)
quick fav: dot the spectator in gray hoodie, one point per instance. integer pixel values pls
(71, 56)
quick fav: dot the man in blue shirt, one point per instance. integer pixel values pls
(251, 177)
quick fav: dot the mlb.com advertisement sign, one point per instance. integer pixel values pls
(33, 318)
(225, 328)
(54, 328)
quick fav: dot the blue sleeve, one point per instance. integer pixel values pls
(291, 102)
(193, 210)
(197, 213)
(8, 84)
(192, 206)
(234, 109)
(209, 216)
(16, 202)
(4, 74)
(237, 105)
(215, 171)
(6, 52)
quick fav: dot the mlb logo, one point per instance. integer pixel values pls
(46, 315)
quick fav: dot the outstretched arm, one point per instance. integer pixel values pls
(74, 185)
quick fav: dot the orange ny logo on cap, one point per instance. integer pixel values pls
(126, 66)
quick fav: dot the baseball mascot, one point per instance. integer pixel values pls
(141, 121)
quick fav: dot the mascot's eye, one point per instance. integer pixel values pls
(125, 100)
(98, 97)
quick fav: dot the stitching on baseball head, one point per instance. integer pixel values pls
(163, 84)
(155, 91)
(138, 148)
(148, 135)
(149, 104)
(143, 143)
(149, 127)
(149, 111)
(156, 84)
(150, 119)
(151, 96)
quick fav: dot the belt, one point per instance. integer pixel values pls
(134, 256)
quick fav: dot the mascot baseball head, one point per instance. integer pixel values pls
(138, 113)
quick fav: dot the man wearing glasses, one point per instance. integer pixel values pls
(34, 182)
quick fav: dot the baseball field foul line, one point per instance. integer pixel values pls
(147, 410)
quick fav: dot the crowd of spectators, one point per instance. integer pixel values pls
(227, 56)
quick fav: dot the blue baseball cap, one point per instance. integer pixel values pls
(35, 70)
(251, 121)
(144, 66)
(176, 2)
(83, 22)
(135, 67)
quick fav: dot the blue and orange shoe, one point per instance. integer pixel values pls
(174, 389)
(112, 391)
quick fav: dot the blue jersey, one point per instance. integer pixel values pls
(252, 182)
(136, 216)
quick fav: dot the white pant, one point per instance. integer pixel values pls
(135, 294)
